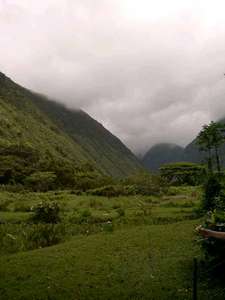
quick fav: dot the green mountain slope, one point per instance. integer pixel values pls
(33, 122)
(161, 154)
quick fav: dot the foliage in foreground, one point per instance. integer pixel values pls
(56, 216)
(26, 236)
(143, 262)
(213, 204)
(132, 247)
(214, 249)
(212, 190)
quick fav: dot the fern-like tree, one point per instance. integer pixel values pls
(204, 142)
(210, 138)
(218, 139)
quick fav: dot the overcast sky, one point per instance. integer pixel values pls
(149, 70)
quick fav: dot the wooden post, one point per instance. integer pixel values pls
(195, 278)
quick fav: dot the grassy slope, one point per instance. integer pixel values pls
(146, 262)
(20, 126)
(25, 118)
(106, 150)
(135, 261)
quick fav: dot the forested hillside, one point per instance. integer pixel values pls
(37, 134)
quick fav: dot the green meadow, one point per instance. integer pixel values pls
(136, 247)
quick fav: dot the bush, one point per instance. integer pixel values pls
(21, 207)
(95, 203)
(28, 237)
(183, 173)
(85, 213)
(43, 235)
(107, 191)
(89, 179)
(12, 188)
(46, 212)
(142, 183)
(214, 249)
(145, 183)
(41, 181)
(80, 217)
(116, 205)
(212, 190)
(76, 192)
(4, 205)
(108, 227)
(121, 212)
(146, 208)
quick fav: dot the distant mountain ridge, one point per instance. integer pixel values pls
(161, 154)
(164, 153)
(28, 118)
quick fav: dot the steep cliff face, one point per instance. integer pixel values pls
(57, 132)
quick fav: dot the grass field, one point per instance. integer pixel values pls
(145, 252)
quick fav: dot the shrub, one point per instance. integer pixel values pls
(130, 190)
(41, 181)
(107, 191)
(13, 188)
(28, 237)
(212, 190)
(95, 203)
(64, 175)
(116, 205)
(76, 192)
(43, 235)
(9, 243)
(183, 173)
(16, 162)
(145, 183)
(80, 217)
(121, 212)
(86, 213)
(220, 201)
(4, 205)
(146, 208)
(46, 212)
(214, 249)
(108, 227)
(21, 207)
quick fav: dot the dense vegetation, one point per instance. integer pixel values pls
(124, 247)
(210, 140)
(55, 136)
(183, 173)
(81, 219)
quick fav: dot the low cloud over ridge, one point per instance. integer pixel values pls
(150, 72)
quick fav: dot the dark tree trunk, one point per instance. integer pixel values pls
(217, 160)
(210, 167)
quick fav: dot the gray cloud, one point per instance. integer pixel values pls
(149, 71)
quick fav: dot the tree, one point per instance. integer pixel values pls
(183, 173)
(210, 138)
(218, 138)
(41, 181)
